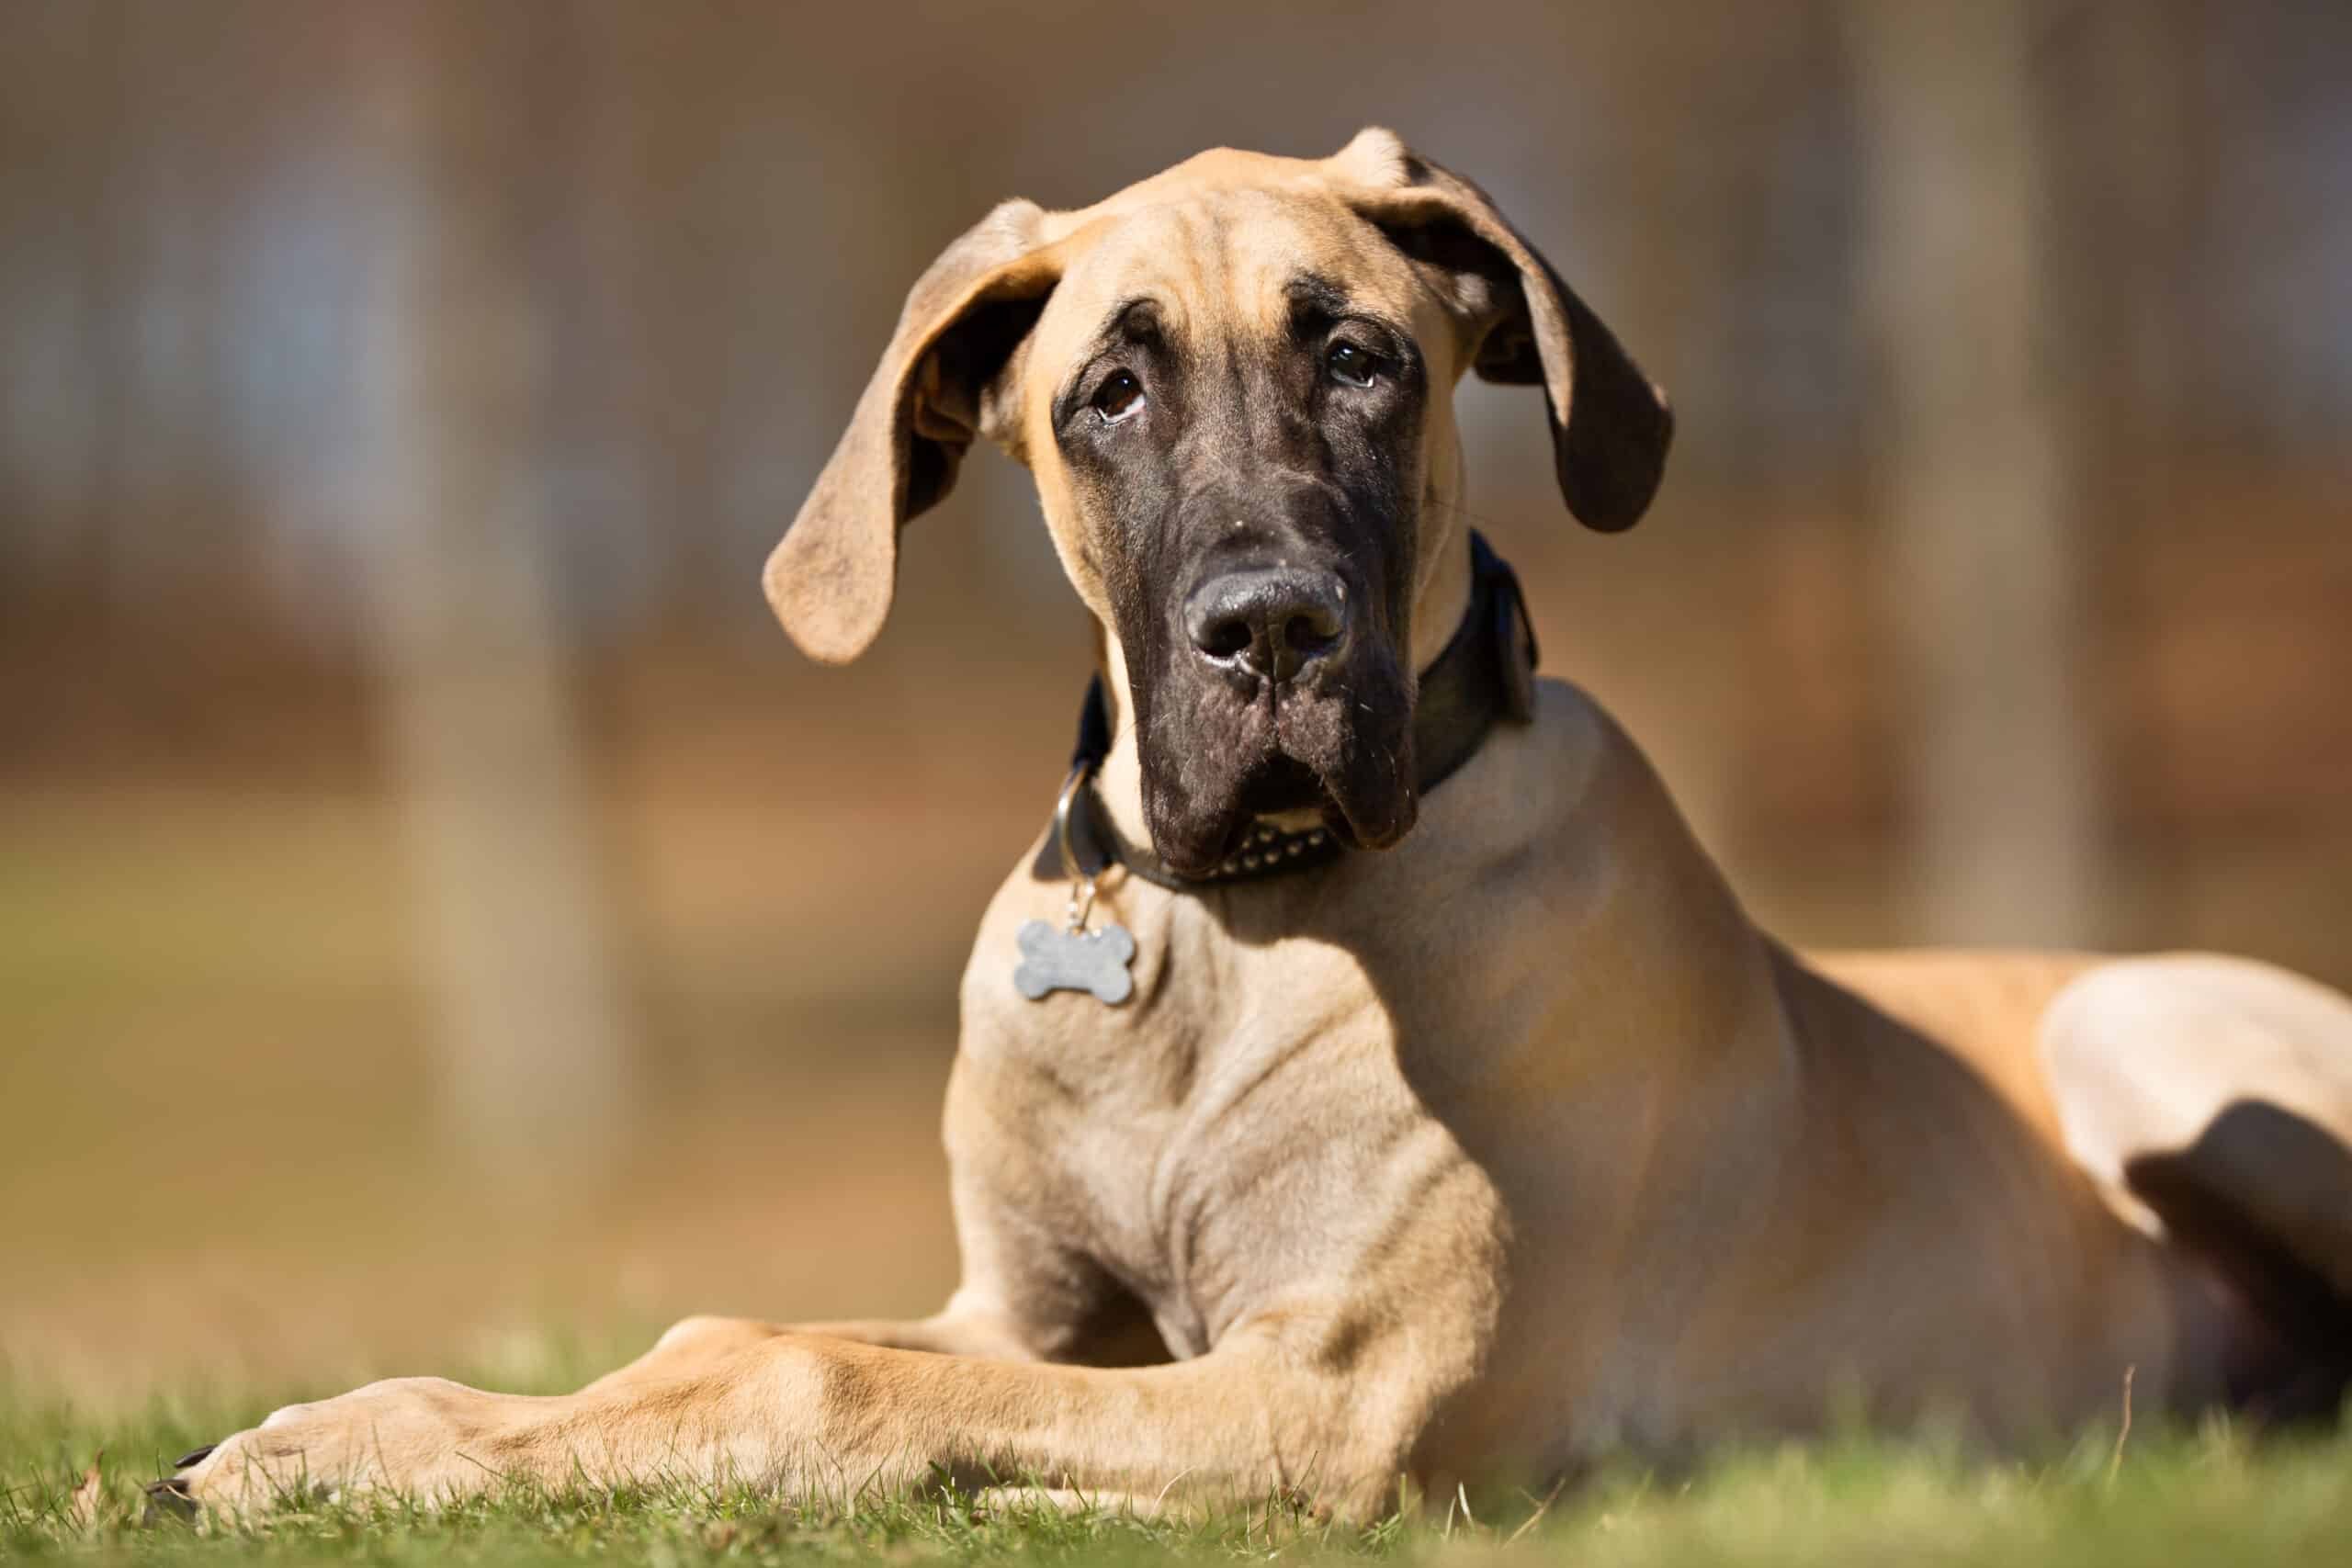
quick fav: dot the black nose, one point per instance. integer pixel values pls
(1275, 621)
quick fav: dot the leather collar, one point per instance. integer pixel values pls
(1486, 674)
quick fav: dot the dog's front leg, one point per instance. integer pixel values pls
(825, 1417)
(694, 1342)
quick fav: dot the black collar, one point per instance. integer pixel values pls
(1486, 673)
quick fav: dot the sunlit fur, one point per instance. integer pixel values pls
(1469, 1163)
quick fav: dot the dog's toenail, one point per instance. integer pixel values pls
(168, 1498)
(194, 1455)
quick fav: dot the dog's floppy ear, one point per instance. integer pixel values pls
(831, 580)
(1611, 425)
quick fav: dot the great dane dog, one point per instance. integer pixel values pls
(1367, 1084)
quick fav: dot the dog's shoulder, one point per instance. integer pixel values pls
(1571, 771)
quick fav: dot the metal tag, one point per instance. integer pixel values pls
(1056, 959)
(1069, 957)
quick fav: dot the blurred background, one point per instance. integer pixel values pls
(437, 907)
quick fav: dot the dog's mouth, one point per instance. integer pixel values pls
(1284, 786)
(1341, 756)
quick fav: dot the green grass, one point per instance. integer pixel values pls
(2179, 1496)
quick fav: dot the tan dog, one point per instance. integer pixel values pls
(1473, 1160)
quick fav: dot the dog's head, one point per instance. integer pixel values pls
(1233, 383)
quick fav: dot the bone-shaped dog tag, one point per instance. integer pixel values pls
(1056, 959)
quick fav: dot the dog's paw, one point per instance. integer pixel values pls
(423, 1440)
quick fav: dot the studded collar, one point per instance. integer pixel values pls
(1486, 673)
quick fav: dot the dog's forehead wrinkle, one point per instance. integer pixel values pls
(1310, 289)
(1220, 240)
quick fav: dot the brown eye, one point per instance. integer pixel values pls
(1348, 364)
(1119, 397)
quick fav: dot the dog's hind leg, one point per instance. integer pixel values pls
(2212, 1097)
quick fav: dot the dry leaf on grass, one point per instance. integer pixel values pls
(82, 1504)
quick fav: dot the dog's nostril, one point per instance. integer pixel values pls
(1226, 638)
(1312, 631)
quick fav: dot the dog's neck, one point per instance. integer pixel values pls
(1444, 600)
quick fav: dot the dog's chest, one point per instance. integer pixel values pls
(1208, 1143)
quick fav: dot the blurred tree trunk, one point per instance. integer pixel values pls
(465, 625)
(1981, 583)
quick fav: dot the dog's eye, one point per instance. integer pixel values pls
(1355, 366)
(1120, 397)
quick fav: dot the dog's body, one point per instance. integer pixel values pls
(1483, 1156)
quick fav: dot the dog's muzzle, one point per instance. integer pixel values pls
(1485, 675)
